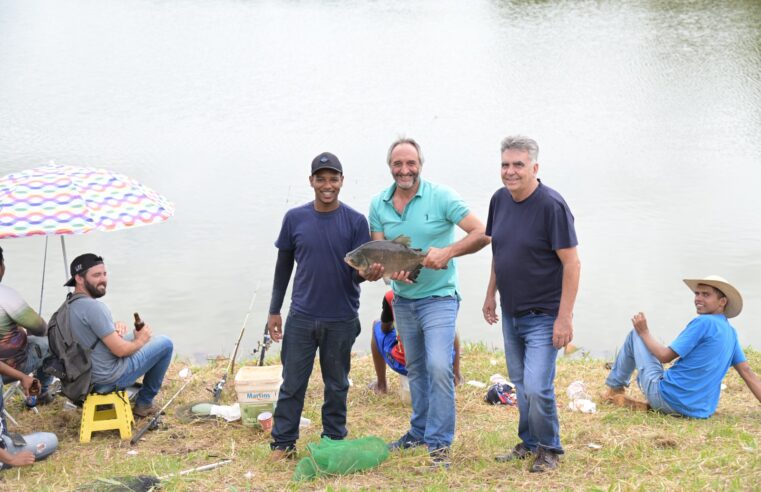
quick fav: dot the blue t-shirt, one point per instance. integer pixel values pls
(524, 238)
(325, 287)
(429, 219)
(706, 349)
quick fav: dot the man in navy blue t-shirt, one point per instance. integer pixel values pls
(705, 349)
(535, 268)
(324, 303)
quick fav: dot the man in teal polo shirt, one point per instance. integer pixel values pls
(426, 311)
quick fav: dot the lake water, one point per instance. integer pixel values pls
(647, 113)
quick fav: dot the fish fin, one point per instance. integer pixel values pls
(414, 273)
(404, 240)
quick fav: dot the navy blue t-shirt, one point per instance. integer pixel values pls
(524, 237)
(325, 286)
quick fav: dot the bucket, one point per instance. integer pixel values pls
(404, 390)
(260, 385)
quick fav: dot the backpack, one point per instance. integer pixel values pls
(68, 360)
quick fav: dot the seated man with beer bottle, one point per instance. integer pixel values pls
(118, 360)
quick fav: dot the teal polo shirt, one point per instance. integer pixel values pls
(429, 219)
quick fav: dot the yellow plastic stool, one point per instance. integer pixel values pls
(106, 412)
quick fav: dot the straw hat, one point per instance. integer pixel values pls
(734, 299)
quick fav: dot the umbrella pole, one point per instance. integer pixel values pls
(44, 265)
(65, 261)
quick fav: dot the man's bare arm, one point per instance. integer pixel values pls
(475, 239)
(661, 352)
(562, 330)
(750, 378)
(490, 303)
(124, 348)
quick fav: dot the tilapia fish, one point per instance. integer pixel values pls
(395, 256)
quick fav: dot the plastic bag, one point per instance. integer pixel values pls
(329, 457)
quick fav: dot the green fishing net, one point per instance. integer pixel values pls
(329, 457)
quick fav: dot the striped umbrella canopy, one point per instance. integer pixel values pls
(59, 200)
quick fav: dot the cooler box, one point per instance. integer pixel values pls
(257, 389)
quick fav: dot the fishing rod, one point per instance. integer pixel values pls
(263, 345)
(217, 389)
(155, 419)
(197, 469)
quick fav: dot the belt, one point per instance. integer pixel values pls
(534, 311)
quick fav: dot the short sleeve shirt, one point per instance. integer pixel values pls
(16, 313)
(91, 321)
(429, 219)
(525, 237)
(706, 349)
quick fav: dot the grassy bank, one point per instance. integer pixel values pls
(614, 449)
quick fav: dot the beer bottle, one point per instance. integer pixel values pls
(138, 323)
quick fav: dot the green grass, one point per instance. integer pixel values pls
(639, 451)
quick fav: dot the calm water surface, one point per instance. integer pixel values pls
(647, 114)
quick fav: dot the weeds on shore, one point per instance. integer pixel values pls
(613, 449)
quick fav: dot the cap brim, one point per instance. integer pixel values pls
(339, 171)
(71, 283)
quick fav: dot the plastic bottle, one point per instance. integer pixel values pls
(578, 391)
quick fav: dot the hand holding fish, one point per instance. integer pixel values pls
(372, 273)
(437, 258)
(393, 260)
(275, 327)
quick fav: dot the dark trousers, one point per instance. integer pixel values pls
(301, 339)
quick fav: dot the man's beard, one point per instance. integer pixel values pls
(93, 290)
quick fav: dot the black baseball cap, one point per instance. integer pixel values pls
(326, 160)
(81, 264)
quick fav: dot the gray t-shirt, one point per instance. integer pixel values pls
(90, 321)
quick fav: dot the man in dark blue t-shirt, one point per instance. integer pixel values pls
(324, 303)
(535, 268)
(704, 351)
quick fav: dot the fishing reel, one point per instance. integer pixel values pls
(262, 345)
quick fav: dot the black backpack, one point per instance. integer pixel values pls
(68, 360)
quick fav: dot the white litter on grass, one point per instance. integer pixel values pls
(497, 378)
(748, 449)
(249, 475)
(184, 372)
(582, 405)
(493, 362)
(592, 445)
(723, 386)
(304, 422)
(230, 413)
(132, 452)
(477, 384)
(351, 383)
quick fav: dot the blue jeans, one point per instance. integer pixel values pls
(41, 444)
(151, 362)
(635, 355)
(36, 350)
(531, 366)
(427, 328)
(302, 337)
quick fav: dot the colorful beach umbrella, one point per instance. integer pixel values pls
(61, 200)
(57, 200)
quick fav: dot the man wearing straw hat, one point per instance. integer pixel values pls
(705, 349)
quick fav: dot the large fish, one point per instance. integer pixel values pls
(395, 256)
